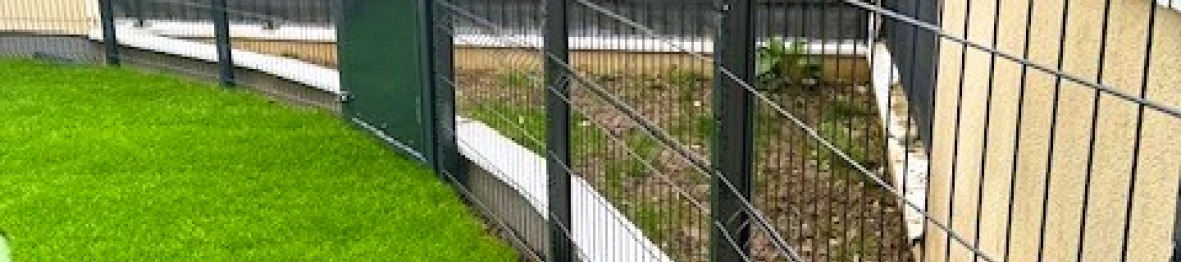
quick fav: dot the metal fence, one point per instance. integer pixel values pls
(645, 117)
(744, 130)
(767, 131)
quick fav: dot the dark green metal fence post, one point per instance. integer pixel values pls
(440, 59)
(561, 248)
(110, 41)
(733, 142)
(221, 32)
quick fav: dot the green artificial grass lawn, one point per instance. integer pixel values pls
(101, 164)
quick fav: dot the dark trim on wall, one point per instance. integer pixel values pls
(916, 53)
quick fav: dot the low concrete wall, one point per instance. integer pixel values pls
(503, 206)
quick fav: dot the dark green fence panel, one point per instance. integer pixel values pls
(382, 72)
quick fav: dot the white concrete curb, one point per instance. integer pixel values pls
(306, 73)
(601, 232)
(885, 75)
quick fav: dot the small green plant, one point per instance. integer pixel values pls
(680, 77)
(852, 144)
(523, 124)
(514, 78)
(646, 149)
(781, 64)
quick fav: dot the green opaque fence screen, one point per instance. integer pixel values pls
(382, 71)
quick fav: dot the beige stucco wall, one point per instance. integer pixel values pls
(48, 16)
(1160, 156)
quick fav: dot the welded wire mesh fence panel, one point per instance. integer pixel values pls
(302, 30)
(641, 76)
(813, 65)
(142, 49)
(496, 75)
(641, 67)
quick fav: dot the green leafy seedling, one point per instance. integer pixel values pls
(781, 64)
